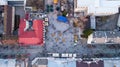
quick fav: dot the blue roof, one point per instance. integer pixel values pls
(62, 19)
(61, 63)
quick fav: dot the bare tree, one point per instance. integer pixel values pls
(38, 4)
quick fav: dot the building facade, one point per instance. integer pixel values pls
(7, 19)
(10, 8)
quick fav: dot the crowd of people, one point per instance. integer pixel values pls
(11, 51)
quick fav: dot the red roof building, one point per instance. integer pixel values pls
(31, 37)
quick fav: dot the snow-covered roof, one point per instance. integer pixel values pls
(3, 2)
(7, 62)
(98, 7)
(111, 63)
(62, 63)
(104, 37)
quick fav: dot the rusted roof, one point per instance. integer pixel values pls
(7, 42)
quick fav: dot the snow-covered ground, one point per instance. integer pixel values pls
(60, 39)
(111, 63)
(59, 35)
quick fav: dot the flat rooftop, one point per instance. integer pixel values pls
(105, 37)
(97, 7)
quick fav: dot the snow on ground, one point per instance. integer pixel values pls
(59, 26)
(60, 35)
(111, 63)
(60, 39)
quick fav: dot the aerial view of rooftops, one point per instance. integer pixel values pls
(59, 33)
